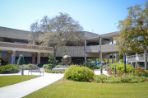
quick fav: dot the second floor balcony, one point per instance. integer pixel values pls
(24, 47)
(79, 51)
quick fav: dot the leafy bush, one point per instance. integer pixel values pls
(39, 65)
(113, 79)
(100, 78)
(61, 66)
(46, 67)
(25, 66)
(33, 66)
(120, 67)
(141, 72)
(10, 68)
(132, 79)
(126, 79)
(79, 73)
(123, 79)
(92, 64)
(51, 62)
(55, 71)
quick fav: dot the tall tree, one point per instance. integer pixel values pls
(34, 28)
(63, 27)
(134, 31)
(132, 27)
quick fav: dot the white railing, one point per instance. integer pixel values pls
(137, 57)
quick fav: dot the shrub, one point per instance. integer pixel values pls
(25, 66)
(10, 68)
(39, 65)
(28, 66)
(92, 64)
(79, 73)
(55, 71)
(141, 72)
(120, 68)
(132, 79)
(123, 79)
(51, 62)
(46, 67)
(113, 79)
(100, 78)
(33, 66)
(126, 79)
(61, 66)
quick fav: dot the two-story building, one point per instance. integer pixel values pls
(15, 42)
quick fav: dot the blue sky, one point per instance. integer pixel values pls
(98, 16)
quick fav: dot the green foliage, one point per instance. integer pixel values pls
(120, 68)
(64, 29)
(56, 71)
(46, 66)
(28, 66)
(132, 79)
(100, 78)
(141, 72)
(51, 62)
(113, 79)
(40, 65)
(79, 73)
(132, 27)
(118, 79)
(10, 68)
(107, 79)
(91, 63)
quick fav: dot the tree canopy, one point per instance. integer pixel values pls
(61, 29)
(135, 25)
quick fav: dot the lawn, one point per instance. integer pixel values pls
(8, 80)
(71, 89)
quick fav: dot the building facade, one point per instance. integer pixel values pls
(18, 42)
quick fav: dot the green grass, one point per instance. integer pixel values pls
(71, 89)
(8, 80)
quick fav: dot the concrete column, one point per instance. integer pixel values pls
(136, 61)
(112, 58)
(33, 58)
(13, 57)
(115, 57)
(85, 55)
(100, 43)
(108, 60)
(112, 41)
(145, 59)
(38, 57)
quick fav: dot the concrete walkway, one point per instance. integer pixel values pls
(22, 89)
(97, 72)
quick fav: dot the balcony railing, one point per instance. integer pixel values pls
(78, 51)
(104, 48)
(136, 58)
(24, 46)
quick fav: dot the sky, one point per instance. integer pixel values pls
(98, 16)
